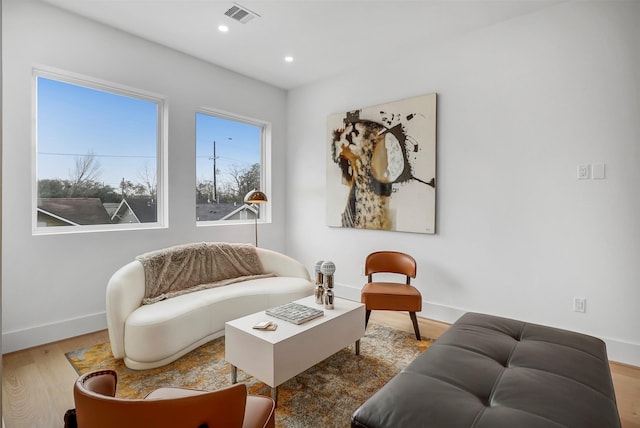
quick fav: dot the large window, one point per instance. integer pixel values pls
(98, 155)
(229, 164)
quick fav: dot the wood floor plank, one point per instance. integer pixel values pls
(56, 372)
(626, 381)
(27, 401)
(38, 382)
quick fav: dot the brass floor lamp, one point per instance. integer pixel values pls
(255, 197)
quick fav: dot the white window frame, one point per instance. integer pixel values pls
(161, 150)
(265, 166)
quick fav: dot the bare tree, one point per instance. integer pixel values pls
(235, 172)
(244, 179)
(86, 171)
(148, 177)
(204, 191)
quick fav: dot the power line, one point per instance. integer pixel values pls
(138, 156)
(95, 155)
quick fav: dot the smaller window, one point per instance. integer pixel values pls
(97, 155)
(229, 153)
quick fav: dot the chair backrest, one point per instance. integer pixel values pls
(390, 262)
(96, 406)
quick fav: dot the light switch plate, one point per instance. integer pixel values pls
(597, 171)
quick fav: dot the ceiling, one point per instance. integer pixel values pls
(326, 38)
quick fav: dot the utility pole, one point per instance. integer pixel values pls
(215, 173)
(215, 185)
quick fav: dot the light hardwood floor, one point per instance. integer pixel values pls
(37, 382)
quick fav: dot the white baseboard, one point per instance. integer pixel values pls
(617, 350)
(623, 352)
(42, 334)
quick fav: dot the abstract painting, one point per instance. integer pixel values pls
(381, 171)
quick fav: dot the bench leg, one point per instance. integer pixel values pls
(366, 317)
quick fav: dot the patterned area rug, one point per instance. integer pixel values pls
(324, 396)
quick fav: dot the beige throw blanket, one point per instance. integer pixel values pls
(186, 268)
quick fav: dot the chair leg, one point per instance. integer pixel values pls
(416, 328)
(366, 317)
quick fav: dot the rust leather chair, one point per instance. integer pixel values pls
(229, 407)
(391, 296)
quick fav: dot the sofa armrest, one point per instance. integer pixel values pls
(282, 265)
(125, 292)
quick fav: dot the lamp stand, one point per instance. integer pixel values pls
(256, 197)
(256, 223)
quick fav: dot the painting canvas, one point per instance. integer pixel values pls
(381, 170)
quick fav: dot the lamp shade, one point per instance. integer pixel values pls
(255, 197)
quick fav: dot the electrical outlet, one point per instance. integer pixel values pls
(579, 304)
(583, 171)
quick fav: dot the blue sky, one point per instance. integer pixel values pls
(121, 132)
(237, 144)
(74, 120)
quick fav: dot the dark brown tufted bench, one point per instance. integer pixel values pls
(491, 372)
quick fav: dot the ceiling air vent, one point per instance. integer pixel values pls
(240, 13)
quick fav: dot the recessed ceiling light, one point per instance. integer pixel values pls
(288, 58)
(223, 28)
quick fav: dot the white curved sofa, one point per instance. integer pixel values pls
(153, 335)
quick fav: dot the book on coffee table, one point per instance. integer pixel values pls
(295, 313)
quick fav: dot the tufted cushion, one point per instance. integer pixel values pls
(491, 372)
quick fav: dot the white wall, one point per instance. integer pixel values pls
(54, 286)
(520, 105)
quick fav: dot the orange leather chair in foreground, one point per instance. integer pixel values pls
(229, 407)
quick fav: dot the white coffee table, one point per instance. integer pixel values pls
(276, 356)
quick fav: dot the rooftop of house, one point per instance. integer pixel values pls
(145, 209)
(214, 211)
(82, 211)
